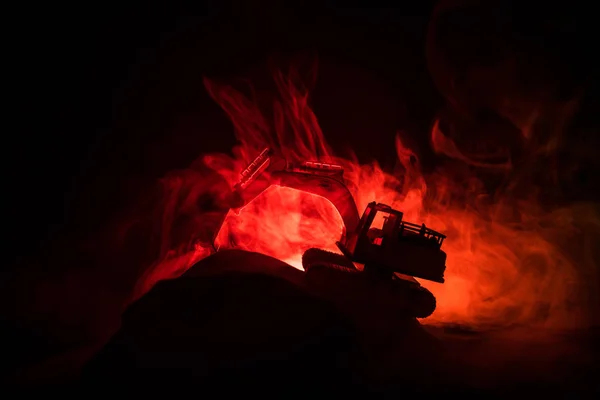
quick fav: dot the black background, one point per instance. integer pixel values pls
(111, 97)
(108, 98)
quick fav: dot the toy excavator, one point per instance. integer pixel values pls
(395, 252)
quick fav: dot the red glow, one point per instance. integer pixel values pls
(283, 223)
(505, 261)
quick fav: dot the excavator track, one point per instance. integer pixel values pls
(409, 296)
(326, 259)
(422, 300)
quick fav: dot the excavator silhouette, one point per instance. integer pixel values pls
(398, 252)
(378, 246)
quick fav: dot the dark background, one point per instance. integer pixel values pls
(112, 96)
(109, 98)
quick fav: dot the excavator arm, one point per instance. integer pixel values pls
(320, 179)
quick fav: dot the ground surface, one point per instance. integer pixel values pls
(217, 325)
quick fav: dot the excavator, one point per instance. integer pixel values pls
(379, 246)
(397, 253)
